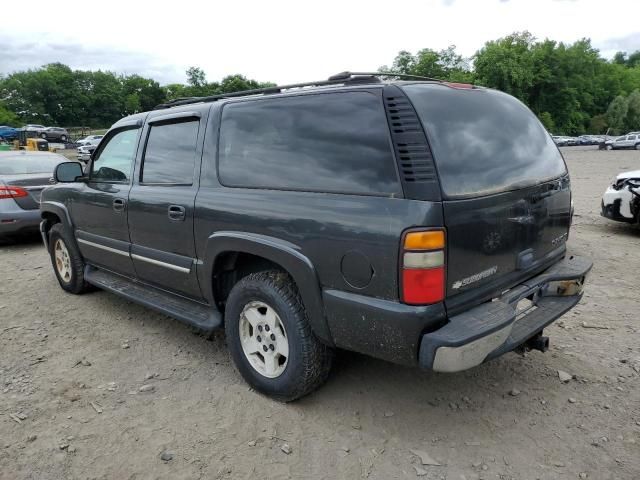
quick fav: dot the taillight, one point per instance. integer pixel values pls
(423, 263)
(13, 192)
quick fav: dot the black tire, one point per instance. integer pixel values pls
(74, 283)
(43, 135)
(309, 361)
(63, 138)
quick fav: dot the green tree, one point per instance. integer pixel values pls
(598, 124)
(507, 64)
(445, 64)
(196, 77)
(632, 120)
(617, 114)
(7, 117)
(547, 121)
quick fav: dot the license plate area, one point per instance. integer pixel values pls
(526, 305)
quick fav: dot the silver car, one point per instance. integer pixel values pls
(625, 141)
(55, 133)
(89, 140)
(23, 176)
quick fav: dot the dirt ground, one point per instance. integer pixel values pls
(71, 368)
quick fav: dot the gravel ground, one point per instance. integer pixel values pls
(73, 402)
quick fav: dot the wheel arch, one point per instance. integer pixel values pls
(52, 213)
(268, 251)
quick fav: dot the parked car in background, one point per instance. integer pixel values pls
(621, 201)
(559, 140)
(589, 139)
(33, 127)
(365, 248)
(55, 133)
(85, 151)
(623, 142)
(89, 140)
(23, 176)
(8, 133)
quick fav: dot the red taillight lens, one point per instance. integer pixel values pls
(423, 267)
(422, 286)
(13, 192)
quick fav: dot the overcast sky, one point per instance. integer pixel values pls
(289, 41)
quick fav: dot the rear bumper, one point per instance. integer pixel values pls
(17, 220)
(494, 328)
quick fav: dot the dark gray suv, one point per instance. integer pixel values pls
(416, 221)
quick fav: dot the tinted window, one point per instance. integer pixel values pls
(484, 141)
(114, 161)
(326, 142)
(171, 153)
(29, 163)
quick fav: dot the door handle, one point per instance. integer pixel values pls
(119, 204)
(177, 213)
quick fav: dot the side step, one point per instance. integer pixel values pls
(202, 317)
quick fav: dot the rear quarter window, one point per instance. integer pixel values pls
(484, 141)
(333, 142)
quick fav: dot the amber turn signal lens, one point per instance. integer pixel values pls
(430, 240)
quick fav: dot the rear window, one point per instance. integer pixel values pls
(333, 142)
(23, 164)
(484, 141)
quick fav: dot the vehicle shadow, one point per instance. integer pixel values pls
(21, 240)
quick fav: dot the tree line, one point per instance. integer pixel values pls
(57, 95)
(570, 87)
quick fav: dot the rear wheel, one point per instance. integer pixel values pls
(63, 138)
(270, 339)
(609, 147)
(66, 260)
(637, 146)
(43, 135)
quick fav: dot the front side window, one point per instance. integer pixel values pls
(113, 163)
(333, 142)
(170, 154)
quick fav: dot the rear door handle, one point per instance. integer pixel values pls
(119, 204)
(177, 213)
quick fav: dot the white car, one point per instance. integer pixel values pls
(626, 141)
(621, 201)
(90, 140)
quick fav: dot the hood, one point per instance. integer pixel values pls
(629, 174)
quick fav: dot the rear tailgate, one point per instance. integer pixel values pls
(505, 187)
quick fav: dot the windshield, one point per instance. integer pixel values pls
(22, 164)
(484, 141)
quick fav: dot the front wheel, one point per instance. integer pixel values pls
(637, 146)
(270, 339)
(63, 138)
(66, 260)
(43, 135)
(609, 147)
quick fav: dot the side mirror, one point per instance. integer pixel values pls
(67, 172)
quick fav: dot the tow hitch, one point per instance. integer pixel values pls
(537, 342)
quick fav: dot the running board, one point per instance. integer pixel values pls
(202, 317)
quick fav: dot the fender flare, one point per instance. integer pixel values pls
(285, 254)
(61, 211)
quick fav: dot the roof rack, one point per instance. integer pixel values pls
(343, 78)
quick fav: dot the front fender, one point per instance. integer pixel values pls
(285, 254)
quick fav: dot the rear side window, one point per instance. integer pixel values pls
(484, 141)
(170, 153)
(336, 142)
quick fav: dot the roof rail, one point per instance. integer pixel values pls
(343, 78)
